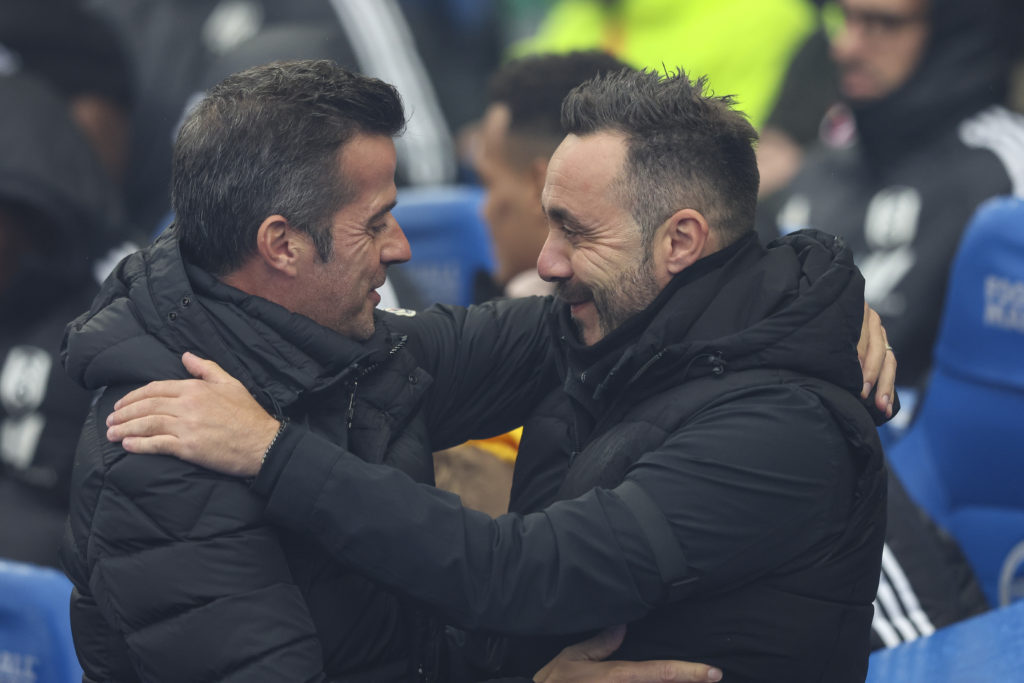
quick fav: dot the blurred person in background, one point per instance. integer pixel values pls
(743, 46)
(78, 54)
(920, 139)
(807, 91)
(56, 202)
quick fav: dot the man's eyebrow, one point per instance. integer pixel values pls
(563, 216)
(386, 209)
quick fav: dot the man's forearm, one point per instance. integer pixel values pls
(533, 574)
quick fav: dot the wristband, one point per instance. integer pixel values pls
(270, 446)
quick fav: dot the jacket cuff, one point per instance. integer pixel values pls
(299, 466)
(276, 458)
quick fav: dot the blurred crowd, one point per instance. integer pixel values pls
(885, 122)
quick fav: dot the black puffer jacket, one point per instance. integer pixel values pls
(705, 473)
(51, 177)
(177, 577)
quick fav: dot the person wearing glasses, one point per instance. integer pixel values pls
(919, 139)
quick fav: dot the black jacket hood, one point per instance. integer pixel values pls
(154, 306)
(965, 68)
(806, 317)
(48, 166)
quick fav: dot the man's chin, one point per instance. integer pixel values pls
(859, 90)
(363, 333)
(361, 328)
(588, 324)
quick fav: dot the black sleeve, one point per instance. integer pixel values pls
(490, 364)
(743, 488)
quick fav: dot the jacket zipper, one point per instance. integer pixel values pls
(367, 370)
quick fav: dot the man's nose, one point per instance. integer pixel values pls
(847, 40)
(553, 260)
(396, 249)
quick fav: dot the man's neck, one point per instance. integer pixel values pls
(256, 279)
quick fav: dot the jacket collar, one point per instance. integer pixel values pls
(155, 306)
(797, 304)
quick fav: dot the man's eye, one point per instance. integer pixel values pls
(887, 24)
(377, 228)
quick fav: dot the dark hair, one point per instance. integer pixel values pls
(266, 141)
(533, 89)
(686, 148)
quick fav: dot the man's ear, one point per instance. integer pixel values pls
(680, 241)
(279, 245)
(538, 174)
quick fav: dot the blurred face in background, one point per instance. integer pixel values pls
(512, 187)
(107, 127)
(878, 45)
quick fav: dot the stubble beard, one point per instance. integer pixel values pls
(615, 302)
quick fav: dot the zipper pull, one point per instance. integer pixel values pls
(717, 364)
(352, 403)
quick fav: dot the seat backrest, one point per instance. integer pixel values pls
(35, 626)
(982, 331)
(963, 458)
(449, 240)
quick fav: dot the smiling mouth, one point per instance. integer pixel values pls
(374, 294)
(577, 298)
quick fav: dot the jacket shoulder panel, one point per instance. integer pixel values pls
(175, 558)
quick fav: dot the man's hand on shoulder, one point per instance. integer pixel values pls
(211, 421)
(582, 662)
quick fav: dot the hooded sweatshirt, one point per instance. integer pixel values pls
(924, 157)
(50, 175)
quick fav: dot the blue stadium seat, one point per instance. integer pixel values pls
(963, 458)
(449, 240)
(35, 629)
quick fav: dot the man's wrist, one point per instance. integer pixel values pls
(275, 457)
(283, 422)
